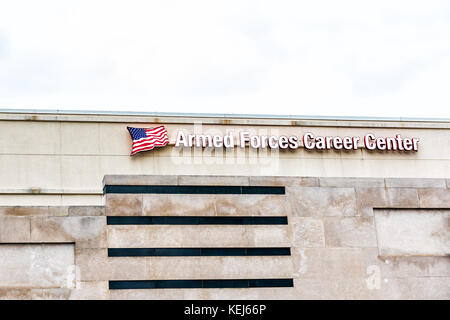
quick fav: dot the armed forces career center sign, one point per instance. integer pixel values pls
(147, 138)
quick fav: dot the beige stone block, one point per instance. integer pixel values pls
(29, 137)
(14, 229)
(86, 211)
(320, 202)
(37, 265)
(284, 181)
(81, 172)
(140, 180)
(178, 205)
(414, 183)
(160, 268)
(415, 266)
(86, 232)
(149, 294)
(269, 236)
(90, 290)
(213, 180)
(33, 211)
(94, 265)
(15, 294)
(329, 263)
(352, 182)
(417, 288)
(126, 165)
(80, 138)
(7, 211)
(413, 232)
(252, 205)
(82, 199)
(12, 200)
(434, 198)
(307, 232)
(51, 294)
(350, 232)
(167, 236)
(154, 236)
(246, 294)
(402, 197)
(369, 198)
(206, 294)
(118, 133)
(123, 204)
(19, 171)
(334, 289)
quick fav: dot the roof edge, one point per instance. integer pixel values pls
(218, 115)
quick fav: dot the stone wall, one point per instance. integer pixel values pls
(349, 238)
(42, 163)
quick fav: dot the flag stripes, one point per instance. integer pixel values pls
(147, 138)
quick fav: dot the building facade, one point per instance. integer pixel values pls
(233, 207)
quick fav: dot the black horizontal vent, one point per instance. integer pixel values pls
(196, 252)
(194, 220)
(194, 189)
(191, 284)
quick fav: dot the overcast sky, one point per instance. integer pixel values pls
(346, 58)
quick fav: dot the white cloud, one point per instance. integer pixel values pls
(362, 58)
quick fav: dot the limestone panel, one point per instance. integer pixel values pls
(33, 211)
(320, 202)
(140, 180)
(307, 232)
(87, 232)
(118, 133)
(178, 205)
(369, 198)
(37, 265)
(29, 137)
(50, 294)
(86, 211)
(434, 198)
(198, 294)
(94, 265)
(251, 205)
(20, 171)
(415, 266)
(202, 267)
(14, 229)
(350, 232)
(90, 290)
(414, 183)
(335, 289)
(352, 182)
(213, 180)
(330, 263)
(80, 172)
(80, 138)
(123, 204)
(416, 288)
(402, 197)
(167, 236)
(15, 294)
(284, 181)
(269, 236)
(413, 232)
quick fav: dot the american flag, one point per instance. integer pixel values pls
(147, 138)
